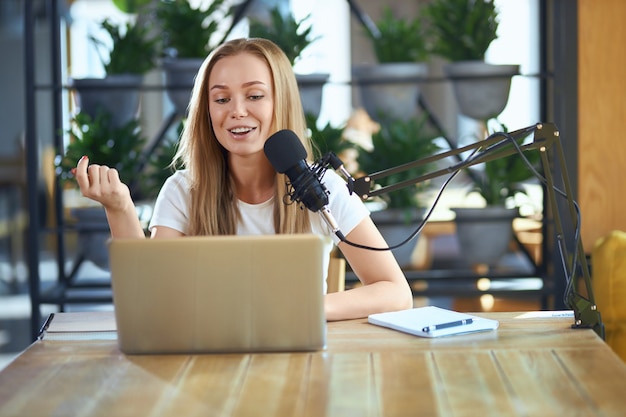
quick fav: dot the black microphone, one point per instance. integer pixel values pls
(287, 155)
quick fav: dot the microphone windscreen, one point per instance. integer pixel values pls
(284, 150)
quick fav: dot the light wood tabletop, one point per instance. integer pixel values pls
(530, 366)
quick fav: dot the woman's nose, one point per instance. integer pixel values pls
(239, 109)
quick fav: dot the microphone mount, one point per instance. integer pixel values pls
(318, 168)
(500, 145)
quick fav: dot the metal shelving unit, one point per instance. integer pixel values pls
(439, 282)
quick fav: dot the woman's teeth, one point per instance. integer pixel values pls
(241, 130)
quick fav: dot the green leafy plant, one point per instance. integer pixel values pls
(133, 50)
(328, 138)
(116, 147)
(284, 31)
(400, 40)
(186, 30)
(398, 142)
(461, 30)
(130, 6)
(159, 166)
(502, 178)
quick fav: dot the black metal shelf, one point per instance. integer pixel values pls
(439, 281)
(85, 292)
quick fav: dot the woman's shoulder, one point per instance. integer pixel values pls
(176, 184)
(180, 178)
(333, 180)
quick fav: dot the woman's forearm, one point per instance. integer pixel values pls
(125, 223)
(359, 302)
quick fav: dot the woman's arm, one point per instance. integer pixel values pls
(102, 184)
(384, 288)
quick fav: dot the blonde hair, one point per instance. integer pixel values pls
(213, 207)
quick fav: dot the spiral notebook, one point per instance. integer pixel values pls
(432, 321)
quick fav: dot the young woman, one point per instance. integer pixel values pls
(244, 92)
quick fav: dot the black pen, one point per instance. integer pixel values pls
(45, 326)
(433, 327)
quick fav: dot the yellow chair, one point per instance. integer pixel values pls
(336, 280)
(609, 287)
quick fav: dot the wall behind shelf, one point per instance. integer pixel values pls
(601, 112)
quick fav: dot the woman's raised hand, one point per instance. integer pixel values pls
(102, 184)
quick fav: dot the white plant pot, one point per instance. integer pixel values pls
(396, 225)
(481, 89)
(119, 95)
(391, 88)
(180, 75)
(484, 233)
(93, 234)
(311, 88)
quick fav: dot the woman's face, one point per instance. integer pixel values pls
(241, 103)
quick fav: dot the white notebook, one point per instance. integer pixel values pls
(432, 321)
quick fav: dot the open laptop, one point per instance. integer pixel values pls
(219, 294)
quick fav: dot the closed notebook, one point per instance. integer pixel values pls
(432, 321)
(219, 294)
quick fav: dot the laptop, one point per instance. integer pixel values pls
(219, 293)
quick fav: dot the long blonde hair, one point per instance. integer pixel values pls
(213, 207)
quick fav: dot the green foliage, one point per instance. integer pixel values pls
(502, 178)
(116, 147)
(130, 6)
(285, 32)
(401, 40)
(461, 30)
(187, 31)
(159, 167)
(399, 142)
(133, 51)
(327, 139)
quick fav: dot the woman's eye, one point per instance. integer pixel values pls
(255, 97)
(221, 100)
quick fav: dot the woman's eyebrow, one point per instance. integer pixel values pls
(246, 84)
(217, 87)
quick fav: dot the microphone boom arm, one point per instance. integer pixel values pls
(499, 145)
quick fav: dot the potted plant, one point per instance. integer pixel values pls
(105, 144)
(327, 139)
(187, 33)
(293, 38)
(484, 233)
(133, 53)
(399, 141)
(392, 85)
(159, 166)
(460, 31)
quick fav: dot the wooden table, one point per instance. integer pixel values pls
(528, 367)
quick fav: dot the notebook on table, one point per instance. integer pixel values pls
(432, 321)
(219, 294)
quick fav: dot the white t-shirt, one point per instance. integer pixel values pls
(172, 210)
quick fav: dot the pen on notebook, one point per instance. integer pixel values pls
(45, 326)
(457, 323)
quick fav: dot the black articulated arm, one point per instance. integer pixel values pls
(502, 144)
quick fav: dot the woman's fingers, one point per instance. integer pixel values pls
(94, 175)
(98, 182)
(80, 173)
(114, 176)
